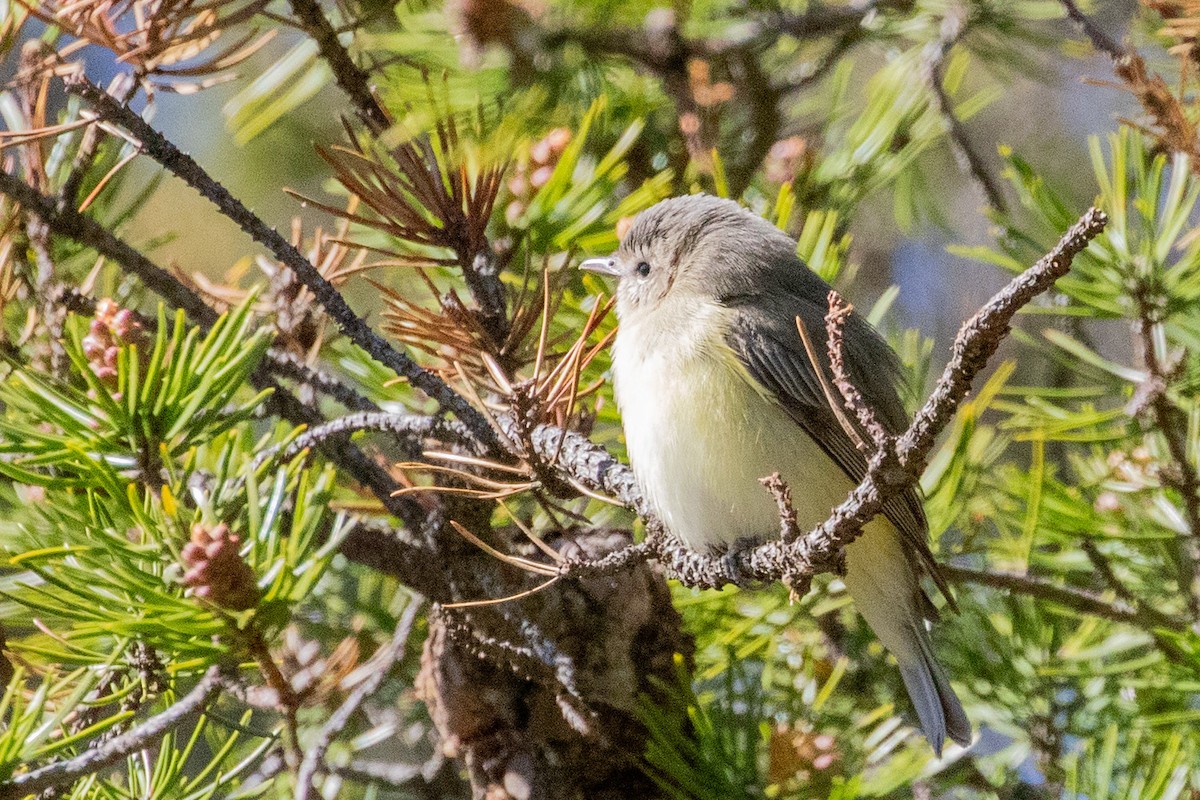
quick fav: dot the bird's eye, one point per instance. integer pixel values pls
(642, 269)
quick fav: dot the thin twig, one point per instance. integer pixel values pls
(396, 776)
(952, 30)
(384, 661)
(835, 325)
(1173, 425)
(789, 531)
(1077, 599)
(288, 365)
(351, 324)
(143, 736)
(1100, 40)
(964, 147)
(123, 86)
(539, 661)
(349, 77)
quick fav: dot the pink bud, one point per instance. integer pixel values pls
(93, 347)
(541, 177)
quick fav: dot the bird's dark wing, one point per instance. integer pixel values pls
(763, 336)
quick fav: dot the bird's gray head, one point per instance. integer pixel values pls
(698, 245)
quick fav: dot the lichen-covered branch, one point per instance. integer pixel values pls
(411, 428)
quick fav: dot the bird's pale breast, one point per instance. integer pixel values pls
(700, 434)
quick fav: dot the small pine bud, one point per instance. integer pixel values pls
(125, 325)
(541, 176)
(94, 347)
(106, 309)
(111, 327)
(215, 570)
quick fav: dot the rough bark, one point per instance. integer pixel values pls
(523, 740)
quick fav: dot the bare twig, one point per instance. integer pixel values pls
(586, 462)
(385, 660)
(981, 335)
(821, 20)
(835, 324)
(789, 531)
(1173, 425)
(953, 29)
(349, 77)
(351, 324)
(1105, 568)
(143, 736)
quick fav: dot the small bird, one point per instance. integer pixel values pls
(716, 391)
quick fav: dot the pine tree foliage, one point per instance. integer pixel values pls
(290, 527)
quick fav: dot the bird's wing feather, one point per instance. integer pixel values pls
(763, 336)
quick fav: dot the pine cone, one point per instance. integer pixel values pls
(216, 571)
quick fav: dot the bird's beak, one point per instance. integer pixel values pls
(602, 266)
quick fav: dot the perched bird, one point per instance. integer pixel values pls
(716, 391)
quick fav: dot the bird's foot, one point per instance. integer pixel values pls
(731, 561)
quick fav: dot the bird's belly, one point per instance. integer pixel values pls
(699, 445)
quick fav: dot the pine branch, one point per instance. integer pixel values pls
(350, 323)
(1173, 425)
(389, 552)
(86, 231)
(140, 738)
(1174, 125)
(282, 363)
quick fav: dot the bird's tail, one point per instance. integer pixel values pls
(886, 592)
(938, 707)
